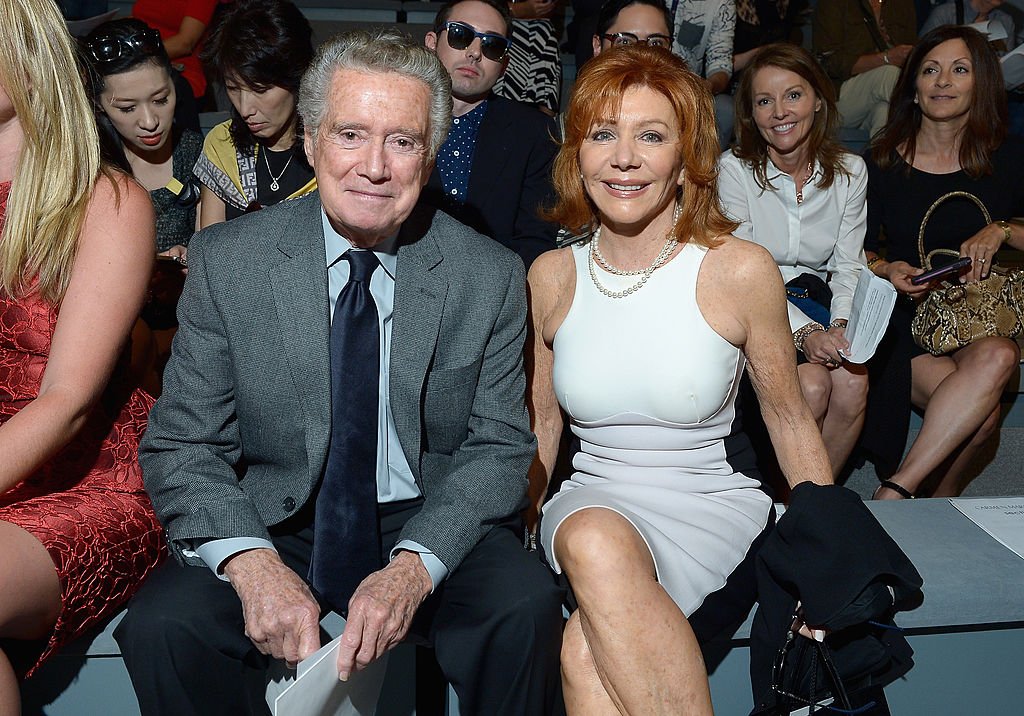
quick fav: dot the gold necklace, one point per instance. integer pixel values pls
(800, 191)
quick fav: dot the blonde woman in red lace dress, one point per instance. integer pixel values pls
(77, 533)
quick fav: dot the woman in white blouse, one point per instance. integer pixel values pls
(799, 194)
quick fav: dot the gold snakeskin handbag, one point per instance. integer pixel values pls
(955, 315)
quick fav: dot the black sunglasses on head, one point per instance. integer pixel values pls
(460, 36)
(624, 39)
(108, 48)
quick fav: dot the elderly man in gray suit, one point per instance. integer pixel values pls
(346, 391)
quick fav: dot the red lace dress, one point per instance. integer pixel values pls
(86, 505)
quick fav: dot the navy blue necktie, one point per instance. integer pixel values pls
(346, 535)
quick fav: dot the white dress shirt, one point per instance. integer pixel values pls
(394, 477)
(823, 235)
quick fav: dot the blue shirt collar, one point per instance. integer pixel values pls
(335, 246)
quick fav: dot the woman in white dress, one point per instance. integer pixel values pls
(640, 335)
(796, 191)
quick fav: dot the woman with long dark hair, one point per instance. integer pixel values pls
(947, 131)
(259, 50)
(77, 530)
(796, 191)
(134, 98)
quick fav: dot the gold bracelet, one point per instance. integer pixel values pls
(1005, 226)
(876, 261)
(839, 323)
(800, 334)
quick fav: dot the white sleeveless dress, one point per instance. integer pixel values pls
(650, 391)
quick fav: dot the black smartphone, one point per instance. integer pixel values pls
(956, 267)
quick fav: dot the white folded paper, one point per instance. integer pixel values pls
(316, 691)
(873, 301)
(1001, 517)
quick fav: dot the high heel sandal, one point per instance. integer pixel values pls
(895, 487)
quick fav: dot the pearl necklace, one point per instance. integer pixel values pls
(596, 258)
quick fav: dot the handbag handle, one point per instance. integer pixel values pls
(926, 260)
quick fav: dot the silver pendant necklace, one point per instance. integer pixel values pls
(274, 180)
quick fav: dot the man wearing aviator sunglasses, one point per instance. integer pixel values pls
(494, 170)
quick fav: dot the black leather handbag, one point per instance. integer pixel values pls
(805, 680)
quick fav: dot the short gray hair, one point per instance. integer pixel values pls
(381, 51)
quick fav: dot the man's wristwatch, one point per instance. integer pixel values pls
(1005, 226)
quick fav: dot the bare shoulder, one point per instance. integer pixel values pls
(120, 214)
(120, 195)
(739, 285)
(736, 264)
(551, 284)
(119, 207)
(550, 272)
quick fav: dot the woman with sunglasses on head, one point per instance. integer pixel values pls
(134, 98)
(640, 335)
(77, 530)
(947, 131)
(259, 50)
(794, 190)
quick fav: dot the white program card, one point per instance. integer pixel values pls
(1001, 517)
(316, 690)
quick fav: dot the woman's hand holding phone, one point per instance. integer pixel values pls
(900, 274)
(958, 266)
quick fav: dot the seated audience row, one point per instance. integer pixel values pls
(354, 435)
(946, 132)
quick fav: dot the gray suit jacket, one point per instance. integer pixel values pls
(238, 440)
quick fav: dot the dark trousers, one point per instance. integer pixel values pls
(495, 626)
